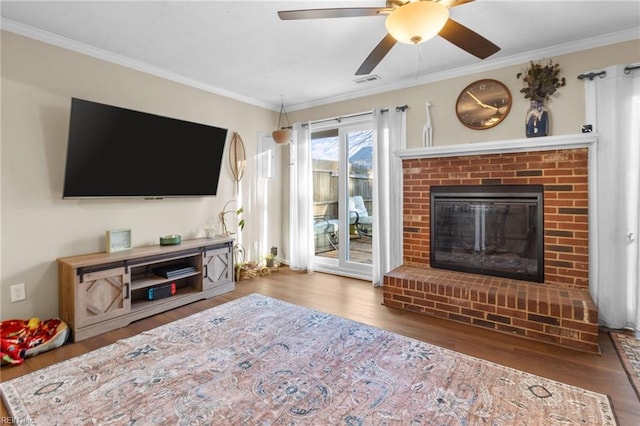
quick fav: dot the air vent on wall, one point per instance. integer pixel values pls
(367, 79)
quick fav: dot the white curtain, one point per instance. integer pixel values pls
(301, 250)
(390, 130)
(613, 107)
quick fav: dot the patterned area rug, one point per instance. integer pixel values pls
(628, 347)
(261, 361)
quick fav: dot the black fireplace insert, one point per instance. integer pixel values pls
(489, 229)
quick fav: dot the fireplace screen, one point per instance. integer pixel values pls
(487, 229)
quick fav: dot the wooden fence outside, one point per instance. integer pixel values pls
(325, 186)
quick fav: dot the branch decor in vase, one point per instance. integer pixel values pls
(540, 82)
(223, 221)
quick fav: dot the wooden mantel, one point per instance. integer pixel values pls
(586, 140)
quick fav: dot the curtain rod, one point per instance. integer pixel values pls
(603, 74)
(628, 69)
(359, 114)
(592, 75)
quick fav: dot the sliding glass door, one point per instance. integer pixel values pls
(342, 167)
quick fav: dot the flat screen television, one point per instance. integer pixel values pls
(117, 152)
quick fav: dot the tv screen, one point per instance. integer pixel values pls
(118, 152)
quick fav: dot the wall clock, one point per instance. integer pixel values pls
(483, 104)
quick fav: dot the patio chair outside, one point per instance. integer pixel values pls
(363, 222)
(326, 231)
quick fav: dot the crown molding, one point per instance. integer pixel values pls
(485, 65)
(85, 49)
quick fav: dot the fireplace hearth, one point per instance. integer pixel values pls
(560, 309)
(489, 229)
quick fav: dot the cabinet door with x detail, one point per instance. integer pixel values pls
(218, 268)
(102, 295)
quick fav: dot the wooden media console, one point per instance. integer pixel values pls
(103, 291)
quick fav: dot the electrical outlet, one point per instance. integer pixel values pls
(18, 292)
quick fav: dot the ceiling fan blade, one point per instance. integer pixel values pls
(468, 40)
(376, 55)
(341, 12)
(454, 3)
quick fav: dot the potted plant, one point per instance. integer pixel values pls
(269, 260)
(245, 270)
(540, 82)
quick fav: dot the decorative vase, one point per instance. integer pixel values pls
(537, 122)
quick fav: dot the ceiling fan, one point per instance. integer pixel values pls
(410, 22)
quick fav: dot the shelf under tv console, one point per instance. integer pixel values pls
(101, 292)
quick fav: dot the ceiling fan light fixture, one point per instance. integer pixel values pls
(417, 22)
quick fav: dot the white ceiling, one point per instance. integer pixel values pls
(243, 50)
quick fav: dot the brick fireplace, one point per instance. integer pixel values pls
(559, 310)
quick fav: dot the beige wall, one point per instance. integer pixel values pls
(566, 107)
(38, 81)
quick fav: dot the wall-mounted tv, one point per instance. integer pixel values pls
(117, 152)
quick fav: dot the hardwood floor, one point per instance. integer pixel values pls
(359, 301)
